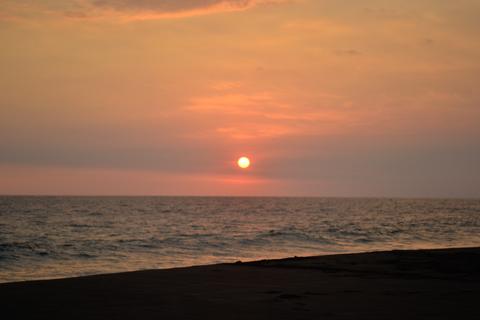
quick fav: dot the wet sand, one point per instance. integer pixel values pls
(420, 284)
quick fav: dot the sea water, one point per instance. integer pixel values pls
(52, 237)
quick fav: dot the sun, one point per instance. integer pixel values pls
(243, 162)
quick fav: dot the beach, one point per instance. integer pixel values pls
(411, 284)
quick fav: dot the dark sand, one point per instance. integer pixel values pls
(424, 284)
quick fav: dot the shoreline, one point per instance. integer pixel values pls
(245, 262)
(398, 284)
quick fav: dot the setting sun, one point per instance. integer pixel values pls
(243, 162)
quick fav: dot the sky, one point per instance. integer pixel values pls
(161, 97)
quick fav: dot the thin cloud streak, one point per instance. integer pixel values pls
(169, 6)
(158, 9)
(125, 10)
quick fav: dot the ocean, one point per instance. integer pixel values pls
(55, 237)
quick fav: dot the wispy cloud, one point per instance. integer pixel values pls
(347, 52)
(262, 115)
(168, 6)
(124, 9)
(154, 9)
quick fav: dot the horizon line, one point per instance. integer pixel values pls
(243, 196)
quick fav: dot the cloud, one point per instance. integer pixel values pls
(263, 115)
(170, 5)
(348, 52)
(321, 26)
(123, 9)
(75, 14)
(174, 8)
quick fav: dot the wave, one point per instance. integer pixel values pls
(105, 234)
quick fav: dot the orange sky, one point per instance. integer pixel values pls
(327, 97)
